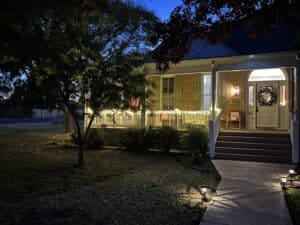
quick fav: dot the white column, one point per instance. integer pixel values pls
(213, 89)
(212, 143)
(296, 121)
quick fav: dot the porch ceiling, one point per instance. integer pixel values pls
(247, 62)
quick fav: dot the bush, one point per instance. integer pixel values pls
(134, 138)
(95, 138)
(196, 140)
(168, 138)
(140, 138)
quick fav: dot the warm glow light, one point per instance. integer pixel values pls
(266, 75)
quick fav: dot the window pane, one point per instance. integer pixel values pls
(282, 95)
(207, 84)
(168, 94)
(251, 99)
(165, 85)
(207, 102)
(171, 85)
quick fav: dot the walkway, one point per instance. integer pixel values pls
(248, 194)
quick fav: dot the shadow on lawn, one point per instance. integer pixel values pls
(39, 185)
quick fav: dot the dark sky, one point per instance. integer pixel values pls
(161, 8)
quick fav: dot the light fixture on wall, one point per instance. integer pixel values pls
(235, 91)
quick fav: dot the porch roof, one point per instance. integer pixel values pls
(232, 63)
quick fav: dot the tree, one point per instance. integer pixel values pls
(214, 20)
(99, 56)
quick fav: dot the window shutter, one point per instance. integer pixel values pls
(197, 91)
(178, 92)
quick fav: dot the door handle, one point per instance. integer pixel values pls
(256, 109)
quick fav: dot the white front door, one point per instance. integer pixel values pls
(267, 104)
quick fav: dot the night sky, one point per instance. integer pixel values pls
(162, 8)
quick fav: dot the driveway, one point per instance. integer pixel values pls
(248, 194)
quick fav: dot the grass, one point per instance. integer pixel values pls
(39, 184)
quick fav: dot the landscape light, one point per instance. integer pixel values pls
(292, 172)
(203, 191)
(283, 181)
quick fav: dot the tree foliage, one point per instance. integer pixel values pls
(99, 56)
(214, 20)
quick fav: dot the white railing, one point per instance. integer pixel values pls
(117, 118)
(214, 129)
(127, 118)
(177, 118)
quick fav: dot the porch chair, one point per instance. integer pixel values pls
(234, 117)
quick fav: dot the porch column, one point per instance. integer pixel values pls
(213, 89)
(143, 115)
(296, 121)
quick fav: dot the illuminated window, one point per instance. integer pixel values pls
(250, 97)
(282, 95)
(168, 94)
(266, 75)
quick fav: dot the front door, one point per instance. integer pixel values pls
(267, 104)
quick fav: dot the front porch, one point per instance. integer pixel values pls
(251, 93)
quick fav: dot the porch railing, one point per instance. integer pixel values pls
(127, 118)
(178, 119)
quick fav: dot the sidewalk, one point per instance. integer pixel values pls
(248, 194)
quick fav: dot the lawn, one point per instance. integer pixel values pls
(39, 184)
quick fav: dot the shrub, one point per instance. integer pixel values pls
(134, 138)
(168, 137)
(196, 140)
(152, 139)
(95, 138)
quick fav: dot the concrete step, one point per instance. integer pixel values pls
(254, 139)
(255, 134)
(252, 151)
(253, 145)
(257, 158)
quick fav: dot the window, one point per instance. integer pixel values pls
(168, 94)
(250, 96)
(282, 95)
(266, 75)
(206, 92)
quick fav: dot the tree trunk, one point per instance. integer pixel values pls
(80, 155)
(69, 127)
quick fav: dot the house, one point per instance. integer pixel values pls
(242, 87)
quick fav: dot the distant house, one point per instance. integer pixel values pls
(249, 85)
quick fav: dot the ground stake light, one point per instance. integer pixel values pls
(203, 191)
(283, 181)
(292, 174)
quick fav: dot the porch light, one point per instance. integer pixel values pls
(283, 181)
(235, 91)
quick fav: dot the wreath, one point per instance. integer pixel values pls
(267, 96)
